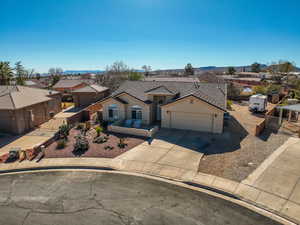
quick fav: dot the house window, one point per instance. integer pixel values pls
(136, 112)
(113, 112)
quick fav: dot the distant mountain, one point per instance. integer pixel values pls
(82, 71)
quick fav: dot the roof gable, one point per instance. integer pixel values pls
(159, 90)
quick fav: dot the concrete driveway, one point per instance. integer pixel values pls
(176, 148)
(279, 179)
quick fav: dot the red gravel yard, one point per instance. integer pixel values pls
(95, 150)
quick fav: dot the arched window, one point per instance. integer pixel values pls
(113, 112)
(136, 112)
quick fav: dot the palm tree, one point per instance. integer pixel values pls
(6, 73)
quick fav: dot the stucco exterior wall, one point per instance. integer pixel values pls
(125, 109)
(6, 122)
(20, 120)
(133, 102)
(85, 99)
(196, 106)
(121, 107)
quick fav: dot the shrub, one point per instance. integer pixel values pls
(104, 124)
(81, 144)
(260, 90)
(122, 143)
(229, 104)
(108, 147)
(98, 129)
(80, 126)
(64, 131)
(100, 139)
(61, 144)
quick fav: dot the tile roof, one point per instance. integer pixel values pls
(175, 79)
(16, 97)
(68, 83)
(160, 90)
(94, 88)
(212, 93)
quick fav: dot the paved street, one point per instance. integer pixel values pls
(83, 198)
(174, 148)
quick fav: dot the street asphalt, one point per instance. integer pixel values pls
(86, 198)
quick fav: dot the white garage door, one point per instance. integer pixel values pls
(192, 121)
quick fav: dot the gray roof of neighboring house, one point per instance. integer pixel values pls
(175, 79)
(68, 83)
(211, 93)
(16, 97)
(94, 88)
(34, 83)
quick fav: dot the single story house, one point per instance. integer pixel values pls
(67, 86)
(35, 83)
(23, 108)
(181, 105)
(89, 94)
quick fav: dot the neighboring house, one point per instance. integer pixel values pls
(67, 86)
(89, 94)
(23, 108)
(177, 79)
(35, 83)
(181, 105)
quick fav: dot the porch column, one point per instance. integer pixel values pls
(290, 116)
(280, 116)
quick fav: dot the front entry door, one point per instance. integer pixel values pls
(158, 113)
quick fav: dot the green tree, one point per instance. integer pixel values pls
(233, 91)
(189, 70)
(231, 70)
(255, 67)
(6, 73)
(54, 79)
(20, 73)
(260, 90)
(135, 76)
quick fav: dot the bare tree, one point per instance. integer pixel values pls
(147, 69)
(117, 68)
(55, 71)
(115, 75)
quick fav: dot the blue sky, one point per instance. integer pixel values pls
(90, 34)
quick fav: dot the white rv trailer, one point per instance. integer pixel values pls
(258, 103)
